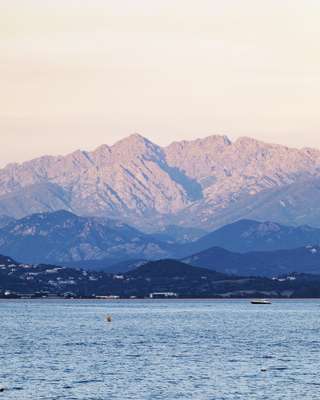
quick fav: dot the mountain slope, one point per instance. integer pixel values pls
(204, 183)
(248, 235)
(293, 204)
(248, 179)
(269, 263)
(5, 220)
(178, 234)
(64, 237)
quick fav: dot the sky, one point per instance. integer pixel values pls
(76, 74)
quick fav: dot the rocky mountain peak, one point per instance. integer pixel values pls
(208, 143)
(187, 183)
(136, 142)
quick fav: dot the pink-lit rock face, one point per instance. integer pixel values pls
(205, 182)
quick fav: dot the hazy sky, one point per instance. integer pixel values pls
(75, 74)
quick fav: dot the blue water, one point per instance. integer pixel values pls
(170, 349)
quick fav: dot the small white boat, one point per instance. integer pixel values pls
(260, 301)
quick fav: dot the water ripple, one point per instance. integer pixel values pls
(202, 350)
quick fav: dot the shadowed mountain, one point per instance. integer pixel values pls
(107, 265)
(270, 263)
(5, 220)
(61, 236)
(247, 235)
(189, 281)
(172, 269)
(178, 234)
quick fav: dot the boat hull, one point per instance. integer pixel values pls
(260, 302)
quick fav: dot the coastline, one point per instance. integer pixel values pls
(161, 300)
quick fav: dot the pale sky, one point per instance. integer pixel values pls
(76, 74)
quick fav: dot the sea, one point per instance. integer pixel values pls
(159, 349)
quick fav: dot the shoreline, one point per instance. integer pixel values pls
(158, 300)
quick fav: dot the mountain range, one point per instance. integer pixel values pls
(204, 183)
(63, 237)
(244, 248)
